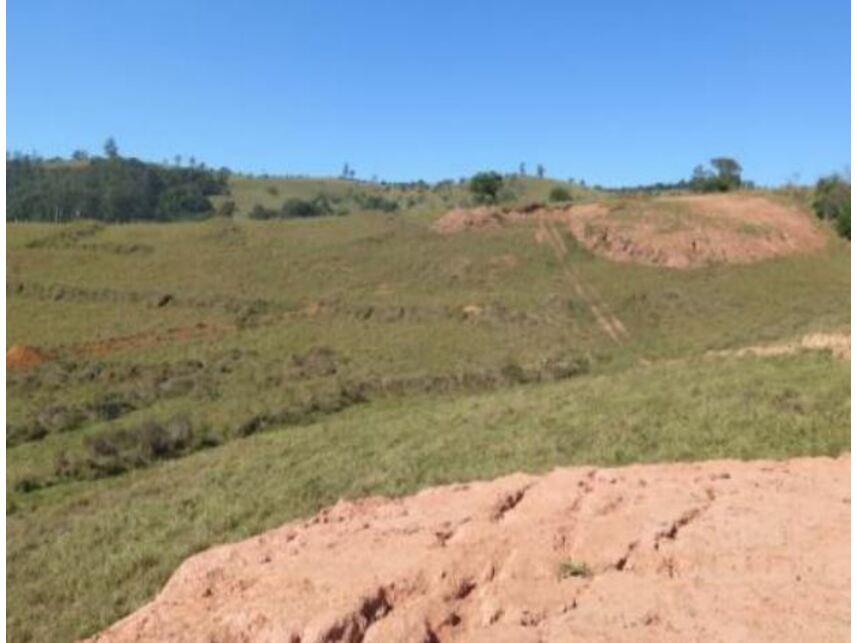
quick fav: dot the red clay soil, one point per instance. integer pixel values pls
(462, 219)
(717, 551)
(24, 356)
(675, 231)
(699, 230)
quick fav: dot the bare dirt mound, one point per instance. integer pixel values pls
(714, 551)
(691, 231)
(463, 219)
(24, 356)
(672, 231)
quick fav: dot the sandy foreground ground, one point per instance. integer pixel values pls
(715, 551)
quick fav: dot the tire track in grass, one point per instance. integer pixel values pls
(611, 325)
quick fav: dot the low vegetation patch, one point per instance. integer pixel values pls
(116, 451)
(573, 569)
(559, 194)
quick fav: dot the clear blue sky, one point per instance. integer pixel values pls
(612, 92)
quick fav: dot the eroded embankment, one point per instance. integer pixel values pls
(679, 231)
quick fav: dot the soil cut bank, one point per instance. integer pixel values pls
(687, 231)
(718, 551)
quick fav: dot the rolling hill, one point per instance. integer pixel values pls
(191, 383)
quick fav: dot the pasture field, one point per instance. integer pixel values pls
(200, 382)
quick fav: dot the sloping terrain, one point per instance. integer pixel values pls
(723, 551)
(180, 385)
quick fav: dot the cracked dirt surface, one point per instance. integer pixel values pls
(716, 551)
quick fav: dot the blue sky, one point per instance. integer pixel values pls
(611, 92)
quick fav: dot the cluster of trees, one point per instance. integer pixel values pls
(491, 187)
(348, 172)
(651, 188)
(832, 202)
(540, 170)
(485, 186)
(725, 176)
(109, 188)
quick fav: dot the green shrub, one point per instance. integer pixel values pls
(559, 194)
(573, 569)
(832, 202)
(513, 372)
(261, 212)
(843, 221)
(58, 418)
(227, 209)
(111, 406)
(118, 450)
(300, 208)
(294, 208)
(485, 186)
(378, 202)
(26, 484)
(319, 361)
(564, 365)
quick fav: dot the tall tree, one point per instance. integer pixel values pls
(728, 171)
(485, 186)
(111, 150)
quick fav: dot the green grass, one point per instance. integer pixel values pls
(384, 296)
(83, 554)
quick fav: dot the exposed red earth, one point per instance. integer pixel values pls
(671, 231)
(18, 356)
(714, 551)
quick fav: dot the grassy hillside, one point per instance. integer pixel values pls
(247, 192)
(207, 380)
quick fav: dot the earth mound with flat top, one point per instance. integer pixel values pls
(716, 551)
(685, 231)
